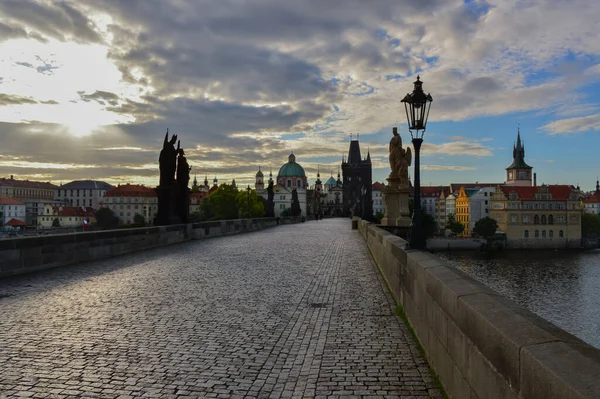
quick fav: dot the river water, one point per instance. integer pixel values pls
(560, 286)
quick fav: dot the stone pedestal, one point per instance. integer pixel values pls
(395, 199)
(167, 206)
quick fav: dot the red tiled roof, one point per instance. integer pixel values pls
(198, 196)
(131, 190)
(558, 191)
(431, 191)
(26, 183)
(592, 199)
(378, 186)
(73, 211)
(15, 222)
(4, 200)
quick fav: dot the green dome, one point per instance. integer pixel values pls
(259, 173)
(292, 168)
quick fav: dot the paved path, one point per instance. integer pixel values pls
(292, 311)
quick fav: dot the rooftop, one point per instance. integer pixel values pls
(86, 185)
(131, 190)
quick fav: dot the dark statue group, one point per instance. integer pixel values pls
(173, 192)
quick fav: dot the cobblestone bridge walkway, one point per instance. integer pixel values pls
(292, 311)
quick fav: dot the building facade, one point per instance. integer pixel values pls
(33, 194)
(68, 216)
(11, 209)
(357, 183)
(538, 217)
(127, 200)
(83, 193)
(378, 205)
(592, 203)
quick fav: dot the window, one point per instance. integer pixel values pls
(561, 219)
(543, 219)
(513, 218)
(526, 234)
(289, 183)
(550, 220)
(560, 234)
(543, 233)
(485, 194)
(536, 219)
(299, 183)
(537, 233)
(551, 233)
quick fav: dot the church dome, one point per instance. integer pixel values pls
(331, 181)
(259, 173)
(291, 168)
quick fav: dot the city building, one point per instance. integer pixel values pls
(82, 193)
(479, 204)
(291, 176)
(127, 200)
(67, 216)
(378, 205)
(538, 216)
(13, 212)
(196, 198)
(462, 210)
(34, 194)
(357, 183)
(332, 196)
(592, 203)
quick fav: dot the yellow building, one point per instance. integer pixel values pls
(462, 210)
(538, 217)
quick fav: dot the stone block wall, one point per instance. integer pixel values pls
(29, 254)
(481, 344)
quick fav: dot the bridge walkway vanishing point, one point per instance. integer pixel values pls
(292, 311)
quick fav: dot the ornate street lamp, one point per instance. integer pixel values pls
(248, 190)
(417, 105)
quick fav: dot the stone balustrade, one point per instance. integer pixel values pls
(481, 344)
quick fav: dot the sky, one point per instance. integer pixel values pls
(88, 88)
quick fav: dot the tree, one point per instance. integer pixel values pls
(428, 224)
(228, 203)
(286, 212)
(56, 222)
(106, 219)
(590, 225)
(257, 204)
(139, 220)
(454, 226)
(195, 217)
(486, 227)
(378, 216)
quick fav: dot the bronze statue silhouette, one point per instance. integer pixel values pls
(270, 206)
(167, 161)
(400, 159)
(183, 168)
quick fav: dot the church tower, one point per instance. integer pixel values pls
(259, 184)
(519, 173)
(318, 184)
(357, 183)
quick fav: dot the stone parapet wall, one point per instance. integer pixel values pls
(29, 254)
(481, 344)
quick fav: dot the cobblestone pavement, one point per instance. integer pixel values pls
(292, 311)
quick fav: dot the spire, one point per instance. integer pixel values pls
(318, 171)
(368, 154)
(195, 181)
(597, 185)
(205, 180)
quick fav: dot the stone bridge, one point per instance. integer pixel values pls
(290, 311)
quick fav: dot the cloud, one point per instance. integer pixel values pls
(458, 148)
(57, 20)
(447, 167)
(11, 99)
(573, 125)
(101, 97)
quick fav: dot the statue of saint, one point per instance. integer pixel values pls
(183, 168)
(400, 159)
(270, 193)
(167, 161)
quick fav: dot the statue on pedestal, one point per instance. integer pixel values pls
(167, 161)
(400, 160)
(270, 208)
(396, 193)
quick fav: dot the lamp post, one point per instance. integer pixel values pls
(248, 190)
(417, 105)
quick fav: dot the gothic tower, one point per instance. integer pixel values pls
(357, 183)
(519, 173)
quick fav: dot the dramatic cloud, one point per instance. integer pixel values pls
(243, 83)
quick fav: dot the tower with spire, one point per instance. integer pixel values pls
(259, 183)
(519, 173)
(357, 183)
